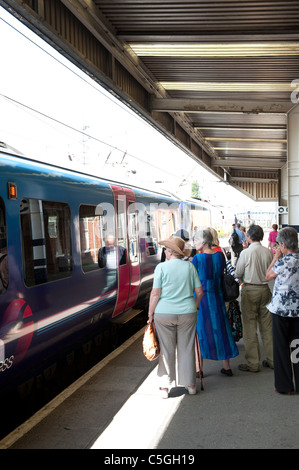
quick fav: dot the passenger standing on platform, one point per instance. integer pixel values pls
(285, 308)
(213, 330)
(245, 242)
(272, 238)
(251, 270)
(216, 247)
(215, 242)
(173, 307)
(189, 250)
(236, 245)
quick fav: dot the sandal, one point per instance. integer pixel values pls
(267, 364)
(191, 390)
(284, 393)
(163, 392)
(227, 372)
(246, 368)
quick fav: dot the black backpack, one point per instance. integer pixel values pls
(234, 239)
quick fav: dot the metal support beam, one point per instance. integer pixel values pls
(248, 179)
(249, 163)
(197, 105)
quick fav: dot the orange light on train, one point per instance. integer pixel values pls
(12, 191)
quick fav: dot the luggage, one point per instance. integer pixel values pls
(235, 320)
(230, 286)
(150, 343)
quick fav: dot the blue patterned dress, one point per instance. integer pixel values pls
(214, 333)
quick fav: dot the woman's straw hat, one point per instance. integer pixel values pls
(176, 244)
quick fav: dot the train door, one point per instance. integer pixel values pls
(133, 248)
(126, 240)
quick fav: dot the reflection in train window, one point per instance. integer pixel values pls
(4, 279)
(46, 241)
(151, 242)
(167, 223)
(121, 239)
(91, 236)
(163, 225)
(132, 229)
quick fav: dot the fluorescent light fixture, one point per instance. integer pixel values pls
(233, 86)
(241, 129)
(235, 139)
(247, 149)
(216, 49)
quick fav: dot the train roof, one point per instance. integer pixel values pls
(38, 165)
(45, 166)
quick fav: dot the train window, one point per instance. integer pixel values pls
(4, 279)
(46, 241)
(163, 227)
(91, 236)
(167, 224)
(132, 229)
(151, 235)
(121, 230)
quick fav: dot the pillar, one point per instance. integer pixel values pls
(293, 167)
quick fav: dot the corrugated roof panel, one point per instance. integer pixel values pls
(249, 48)
(242, 69)
(187, 16)
(261, 120)
(223, 69)
(247, 133)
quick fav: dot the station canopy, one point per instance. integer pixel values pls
(216, 77)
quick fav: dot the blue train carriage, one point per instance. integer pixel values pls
(195, 215)
(55, 226)
(47, 302)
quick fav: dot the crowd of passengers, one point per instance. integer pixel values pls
(188, 309)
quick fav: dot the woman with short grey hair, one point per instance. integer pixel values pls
(204, 236)
(285, 308)
(289, 237)
(215, 337)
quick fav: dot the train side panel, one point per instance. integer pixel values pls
(66, 278)
(54, 294)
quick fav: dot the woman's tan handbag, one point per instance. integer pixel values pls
(150, 344)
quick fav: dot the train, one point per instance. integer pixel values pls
(77, 253)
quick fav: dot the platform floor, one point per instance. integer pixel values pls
(116, 405)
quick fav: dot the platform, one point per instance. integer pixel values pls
(116, 405)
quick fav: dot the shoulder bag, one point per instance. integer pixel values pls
(235, 320)
(150, 344)
(230, 285)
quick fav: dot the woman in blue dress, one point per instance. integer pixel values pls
(213, 330)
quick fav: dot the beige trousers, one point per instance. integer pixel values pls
(176, 334)
(255, 314)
